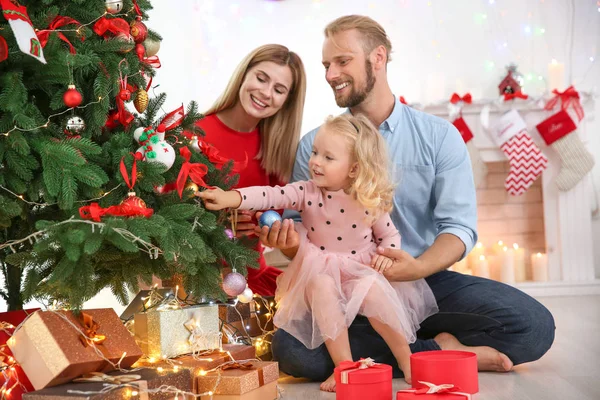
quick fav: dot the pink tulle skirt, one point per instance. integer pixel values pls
(321, 293)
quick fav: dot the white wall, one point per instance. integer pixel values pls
(440, 47)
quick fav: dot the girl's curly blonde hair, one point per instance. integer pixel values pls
(372, 186)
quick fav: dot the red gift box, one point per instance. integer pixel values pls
(433, 392)
(13, 381)
(458, 368)
(363, 379)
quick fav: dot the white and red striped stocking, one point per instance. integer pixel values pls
(527, 162)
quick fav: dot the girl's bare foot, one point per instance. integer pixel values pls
(488, 359)
(404, 364)
(329, 384)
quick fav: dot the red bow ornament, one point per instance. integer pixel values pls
(467, 98)
(213, 154)
(57, 23)
(195, 171)
(113, 26)
(516, 95)
(153, 61)
(568, 98)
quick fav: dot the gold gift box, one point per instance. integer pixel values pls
(237, 381)
(163, 333)
(49, 348)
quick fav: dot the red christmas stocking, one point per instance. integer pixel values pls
(477, 164)
(527, 162)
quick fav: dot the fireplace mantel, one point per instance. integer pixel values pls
(567, 215)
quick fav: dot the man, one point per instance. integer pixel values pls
(435, 212)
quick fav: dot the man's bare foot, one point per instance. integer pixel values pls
(488, 359)
(329, 384)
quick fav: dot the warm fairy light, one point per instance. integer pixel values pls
(202, 372)
(160, 369)
(268, 314)
(134, 393)
(11, 341)
(210, 393)
(175, 368)
(152, 360)
(272, 304)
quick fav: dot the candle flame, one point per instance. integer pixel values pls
(482, 258)
(539, 254)
(505, 248)
(500, 242)
(479, 245)
(516, 246)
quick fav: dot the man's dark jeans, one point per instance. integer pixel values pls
(479, 312)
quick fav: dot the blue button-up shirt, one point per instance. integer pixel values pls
(435, 192)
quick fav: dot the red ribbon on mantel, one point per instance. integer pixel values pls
(467, 98)
(568, 98)
(195, 171)
(516, 95)
(58, 22)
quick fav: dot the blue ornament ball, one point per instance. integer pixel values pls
(268, 218)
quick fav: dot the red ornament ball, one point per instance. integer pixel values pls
(133, 202)
(72, 97)
(139, 31)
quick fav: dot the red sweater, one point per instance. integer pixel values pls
(236, 145)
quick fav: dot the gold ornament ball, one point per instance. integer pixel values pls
(152, 47)
(141, 100)
(192, 186)
(128, 42)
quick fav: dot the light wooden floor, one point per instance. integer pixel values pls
(570, 370)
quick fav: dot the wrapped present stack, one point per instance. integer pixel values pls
(55, 347)
(256, 330)
(143, 383)
(13, 381)
(253, 380)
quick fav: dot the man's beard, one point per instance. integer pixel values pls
(357, 96)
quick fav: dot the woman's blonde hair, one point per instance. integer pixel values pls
(373, 33)
(372, 186)
(280, 133)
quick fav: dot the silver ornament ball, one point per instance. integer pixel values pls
(246, 296)
(75, 124)
(113, 6)
(152, 47)
(234, 284)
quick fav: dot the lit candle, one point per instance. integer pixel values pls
(556, 76)
(497, 247)
(482, 268)
(519, 256)
(539, 266)
(507, 266)
(494, 266)
(474, 255)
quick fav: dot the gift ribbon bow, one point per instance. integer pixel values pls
(245, 366)
(467, 98)
(568, 98)
(432, 388)
(516, 95)
(101, 377)
(350, 366)
(56, 23)
(195, 171)
(90, 329)
(113, 25)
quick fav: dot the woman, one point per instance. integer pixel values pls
(258, 118)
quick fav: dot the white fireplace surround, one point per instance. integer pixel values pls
(567, 215)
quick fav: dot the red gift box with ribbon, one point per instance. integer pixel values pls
(13, 380)
(433, 392)
(364, 379)
(458, 368)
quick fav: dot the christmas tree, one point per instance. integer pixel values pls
(68, 159)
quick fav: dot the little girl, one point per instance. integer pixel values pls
(337, 273)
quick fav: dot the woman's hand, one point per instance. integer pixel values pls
(218, 199)
(282, 236)
(245, 225)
